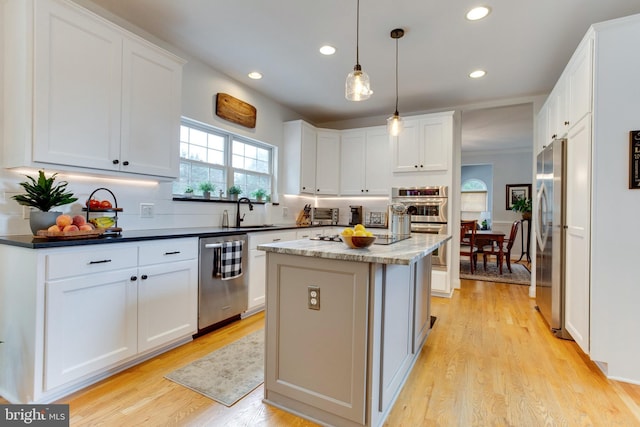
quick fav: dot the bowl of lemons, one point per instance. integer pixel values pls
(357, 237)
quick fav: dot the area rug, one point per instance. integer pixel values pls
(520, 275)
(228, 374)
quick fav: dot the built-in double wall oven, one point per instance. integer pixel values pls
(428, 209)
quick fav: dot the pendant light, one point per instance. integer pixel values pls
(357, 86)
(395, 123)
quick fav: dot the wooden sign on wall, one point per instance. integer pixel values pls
(634, 159)
(236, 111)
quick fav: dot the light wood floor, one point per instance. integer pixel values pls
(490, 361)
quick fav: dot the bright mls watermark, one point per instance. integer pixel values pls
(34, 415)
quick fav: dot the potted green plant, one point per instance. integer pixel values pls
(44, 194)
(188, 192)
(207, 188)
(522, 205)
(259, 194)
(234, 191)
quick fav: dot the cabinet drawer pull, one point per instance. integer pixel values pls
(116, 161)
(126, 163)
(100, 262)
(276, 240)
(144, 277)
(172, 253)
(133, 278)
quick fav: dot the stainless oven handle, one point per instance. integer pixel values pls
(213, 245)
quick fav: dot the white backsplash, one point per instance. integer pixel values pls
(167, 213)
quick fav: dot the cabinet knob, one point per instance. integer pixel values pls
(304, 188)
(367, 190)
(415, 166)
(133, 278)
(144, 277)
(116, 161)
(318, 190)
(361, 190)
(126, 163)
(554, 136)
(566, 123)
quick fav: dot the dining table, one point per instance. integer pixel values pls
(488, 237)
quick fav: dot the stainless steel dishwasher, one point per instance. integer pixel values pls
(219, 299)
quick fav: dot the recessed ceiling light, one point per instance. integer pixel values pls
(478, 13)
(327, 50)
(255, 75)
(477, 74)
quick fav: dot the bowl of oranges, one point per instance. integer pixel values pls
(357, 237)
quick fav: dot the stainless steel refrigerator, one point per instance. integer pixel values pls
(550, 236)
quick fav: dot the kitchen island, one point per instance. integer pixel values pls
(345, 326)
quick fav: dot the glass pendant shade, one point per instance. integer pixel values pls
(395, 124)
(357, 86)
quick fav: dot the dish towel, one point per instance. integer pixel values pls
(231, 265)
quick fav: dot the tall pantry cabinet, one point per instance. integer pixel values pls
(600, 103)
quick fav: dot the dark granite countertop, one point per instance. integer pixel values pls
(29, 241)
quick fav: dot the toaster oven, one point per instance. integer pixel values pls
(324, 216)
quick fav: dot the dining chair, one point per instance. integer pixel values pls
(468, 243)
(506, 248)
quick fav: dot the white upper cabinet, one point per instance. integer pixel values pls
(571, 98)
(77, 81)
(327, 162)
(425, 144)
(299, 157)
(557, 111)
(361, 162)
(580, 83)
(352, 162)
(364, 162)
(311, 159)
(542, 127)
(103, 98)
(151, 88)
(407, 148)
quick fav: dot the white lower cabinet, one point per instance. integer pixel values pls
(258, 265)
(108, 304)
(440, 285)
(90, 324)
(167, 292)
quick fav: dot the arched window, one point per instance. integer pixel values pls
(474, 184)
(474, 198)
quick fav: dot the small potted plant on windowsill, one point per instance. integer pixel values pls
(259, 194)
(233, 192)
(522, 205)
(43, 195)
(207, 188)
(188, 192)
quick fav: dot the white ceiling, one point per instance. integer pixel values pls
(523, 45)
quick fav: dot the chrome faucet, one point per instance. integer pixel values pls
(238, 218)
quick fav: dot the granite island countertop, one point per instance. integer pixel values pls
(403, 252)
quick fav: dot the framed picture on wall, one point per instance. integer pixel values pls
(517, 191)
